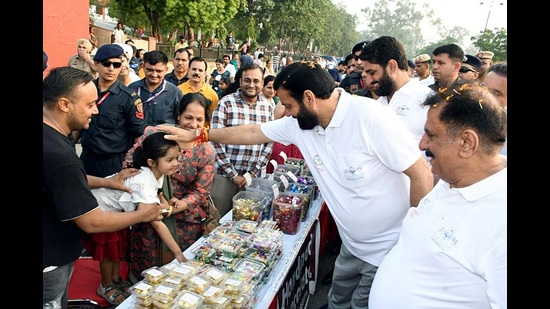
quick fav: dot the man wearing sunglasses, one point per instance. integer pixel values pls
(119, 122)
(471, 66)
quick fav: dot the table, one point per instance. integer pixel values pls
(294, 274)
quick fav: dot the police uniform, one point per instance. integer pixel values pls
(436, 85)
(351, 83)
(112, 131)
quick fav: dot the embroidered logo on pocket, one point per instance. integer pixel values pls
(353, 173)
(445, 238)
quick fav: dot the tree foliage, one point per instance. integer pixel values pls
(167, 16)
(495, 41)
(303, 27)
(402, 20)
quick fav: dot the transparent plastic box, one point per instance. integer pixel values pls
(247, 205)
(163, 293)
(227, 246)
(295, 169)
(305, 192)
(189, 300)
(254, 268)
(247, 226)
(183, 271)
(198, 284)
(221, 302)
(142, 290)
(213, 292)
(287, 212)
(269, 188)
(215, 274)
(161, 304)
(233, 287)
(153, 275)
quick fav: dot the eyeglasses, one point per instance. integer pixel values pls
(108, 63)
(249, 81)
(466, 70)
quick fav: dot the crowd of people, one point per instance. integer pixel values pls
(411, 166)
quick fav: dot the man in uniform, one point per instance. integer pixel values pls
(119, 122)
(471, 68)
(486, 61)
(423, 69)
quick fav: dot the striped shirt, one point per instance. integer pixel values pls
(233, 160)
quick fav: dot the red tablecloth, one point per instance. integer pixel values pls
(86, 278)
(329, 232)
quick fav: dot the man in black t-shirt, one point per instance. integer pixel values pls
(68, 206)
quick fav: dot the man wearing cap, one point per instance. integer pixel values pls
(356, 50)
(83, 58)
(119, 122)
(471, 66)
(352, 82)
(486, 61)
(423, 69)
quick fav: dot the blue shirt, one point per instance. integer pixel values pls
(161, 105)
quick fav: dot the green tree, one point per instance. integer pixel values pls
(495, 41)
(402, 20)
(169, 15)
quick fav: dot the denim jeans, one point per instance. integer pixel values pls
(55, 283)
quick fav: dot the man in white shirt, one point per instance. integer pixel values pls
(386, 65)
(229, 67)
(452, 250)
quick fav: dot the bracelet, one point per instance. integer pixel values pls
(202, 135)
(170, 211)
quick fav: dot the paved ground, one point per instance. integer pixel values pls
(326, 264)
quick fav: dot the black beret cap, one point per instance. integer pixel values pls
(473, 61)
(108, 51)
(44, 60)
(359, 46)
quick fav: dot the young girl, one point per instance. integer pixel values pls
(155, 158)
(191, 185)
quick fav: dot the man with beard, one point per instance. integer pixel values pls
(385, 62)
(366, 163)
(236, 162)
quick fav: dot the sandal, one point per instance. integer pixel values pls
(112, 294)
(123, 286)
